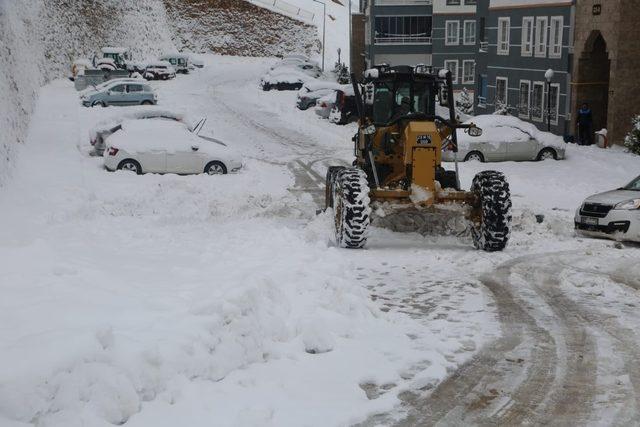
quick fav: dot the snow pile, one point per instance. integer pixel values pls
(497, 128)
(234, 27)
(39, 40)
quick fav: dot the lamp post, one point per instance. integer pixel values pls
(324, 25)
(548, 75)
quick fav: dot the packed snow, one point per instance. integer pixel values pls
(198, 300)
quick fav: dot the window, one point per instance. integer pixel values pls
(135, 88)
(504, 28)
(118, 88)
(501, 92)
(470, 2)
(468, 71)
(541, 36)
(469, 32)
(555, 37)
(452, 36)
(527, 36)
(537, 101)
(554, 100)
(523, 100)
(403, 29)
(452, 65)
(453, 2)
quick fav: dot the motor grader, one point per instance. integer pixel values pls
(397, 179)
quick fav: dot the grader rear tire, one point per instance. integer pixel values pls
(492, 232)
(351, 210)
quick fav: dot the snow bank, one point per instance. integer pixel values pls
(39, 39)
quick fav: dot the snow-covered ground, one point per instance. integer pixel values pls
(196, 300)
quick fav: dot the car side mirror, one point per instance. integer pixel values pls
(443, 96)
(475, 131)
(195, 147)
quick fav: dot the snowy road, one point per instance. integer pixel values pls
(166, 300)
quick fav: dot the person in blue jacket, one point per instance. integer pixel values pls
(585, 124)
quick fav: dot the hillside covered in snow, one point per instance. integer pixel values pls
(40, 38)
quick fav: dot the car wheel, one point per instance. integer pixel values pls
(131, 166)
(547, 154)
(99, 104)
(215, 168)
(147, 103)
(474, 155)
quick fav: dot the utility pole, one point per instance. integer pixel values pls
(548, 75)
(324, 27)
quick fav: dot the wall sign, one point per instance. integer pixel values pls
(597, 9)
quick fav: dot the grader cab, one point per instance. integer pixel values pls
(397, 179)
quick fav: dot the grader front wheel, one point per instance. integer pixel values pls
(491, 230)
(352, 214)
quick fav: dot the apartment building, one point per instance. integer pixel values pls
(455, 41)
(519, 41)
(398, 32)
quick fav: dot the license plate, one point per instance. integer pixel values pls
(589, 220)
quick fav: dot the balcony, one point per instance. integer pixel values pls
(403, 2)
(402, 40)
(484, 47)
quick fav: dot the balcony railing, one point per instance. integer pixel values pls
(482, 101)
(484, 47)
(403, 40)
(403, 2)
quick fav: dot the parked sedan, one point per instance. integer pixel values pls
(613, 214)
(144, 146)
(159, 70)
(119, 92)
(284, 79)
(506, 138)
(101, 131)
(314, 90)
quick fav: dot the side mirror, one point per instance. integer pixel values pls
(369, 130)
(368, 93)
(475, 131)
(195, 148)
(443, 96)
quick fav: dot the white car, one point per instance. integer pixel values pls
(613, 214)
(506, 138)
(163, 146)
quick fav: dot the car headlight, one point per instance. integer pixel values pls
(628, 205)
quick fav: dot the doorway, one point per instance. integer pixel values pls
(593, 79)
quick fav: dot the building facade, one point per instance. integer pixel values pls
(398, 32)
(521, 41)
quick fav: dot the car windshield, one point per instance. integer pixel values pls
(633, 185)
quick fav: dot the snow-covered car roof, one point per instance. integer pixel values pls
(498, 128)
(313, 85)
(140, 113)
(138, 136)
(166, 64)
(115, 49)
(84, 62)
(286, 75)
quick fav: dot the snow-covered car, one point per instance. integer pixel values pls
(159, 70)
(506, 138)
(163, 146)
(325, 104)
(613, 214)
(344, 108)
(309, 68)
(284, 79)
(196, 61)
(119, 92)
(181, 62)
(102, 130)
(309, 94)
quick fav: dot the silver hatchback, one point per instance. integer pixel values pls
(119, 92)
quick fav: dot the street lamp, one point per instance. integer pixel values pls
(324, 25)
(548, 75)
